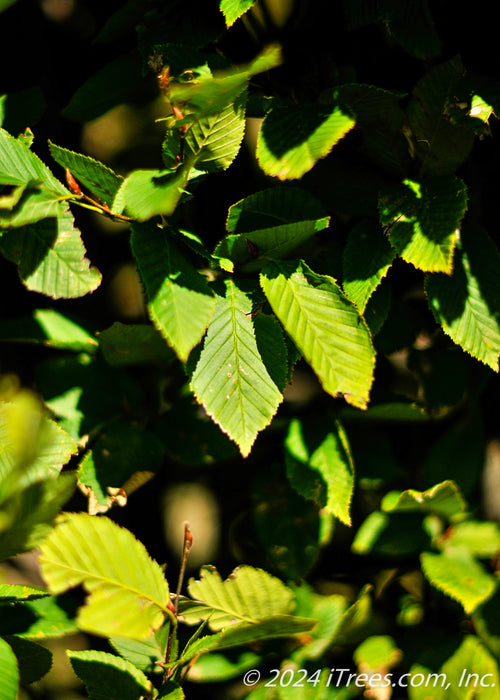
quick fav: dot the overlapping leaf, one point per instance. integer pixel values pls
(230, 379)
(179, 299)
(440, 145)
(248, 595)
(325, 326)
(270, 224)
(51, 257)
(367, 258)
(207, 94)
(247, 633)
(128, 593)
(423, 218)
(19, 166)
(32, 447)
(214, 141)
(27, 515)
(108, 677)
(293, 138)
(96, 177)
(130, 344)
(147, 193)
(51, 328)
(320, 467)
(466, 303)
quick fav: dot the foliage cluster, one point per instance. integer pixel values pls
(353, 246)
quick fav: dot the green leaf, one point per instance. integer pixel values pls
(293, 138)
(481, 538)
(212, 143)
(27, 516)
(53, 617)
(247, 633)
(179, 299)
(320, 467)
(27, 204)
(50, 328)
(397, 535)
(51, 257)
(329, 611)
(411, 25)
(171, 691)
(423, 220)
(233, 9)
(207, 94)
(85, 392)
(9, 672)
(270, 224)
(379, 119)
(471, 672)
(443, 499)
(440, 146)
(325, 326)
(286, 526)
(4, 4)
(34, 661)
(467, 303)
(190, 437)
(92, 174)
(147, 193)
(459, 575)
(108, 677)
(121, 450)
(216, 668)
(20, 166)
(128, 594)
(230, 379)
(248, 595)
(135, 344)
(33, 447)
(459, 451)
(367, 259)
(110, 86)
(11, 593)
(143, 653)
(377, 652)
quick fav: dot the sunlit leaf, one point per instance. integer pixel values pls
(179, 299)
(270, 224)
(459, 575)
(443, 499)
(422, 219)
(367, 258)
(320, 467)
(466, 303)
(9, 672)
(248, 595)
(293, 138)
(230, 378)
(233, 9)
(124, 599)
(51, 257)
(325, 326)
